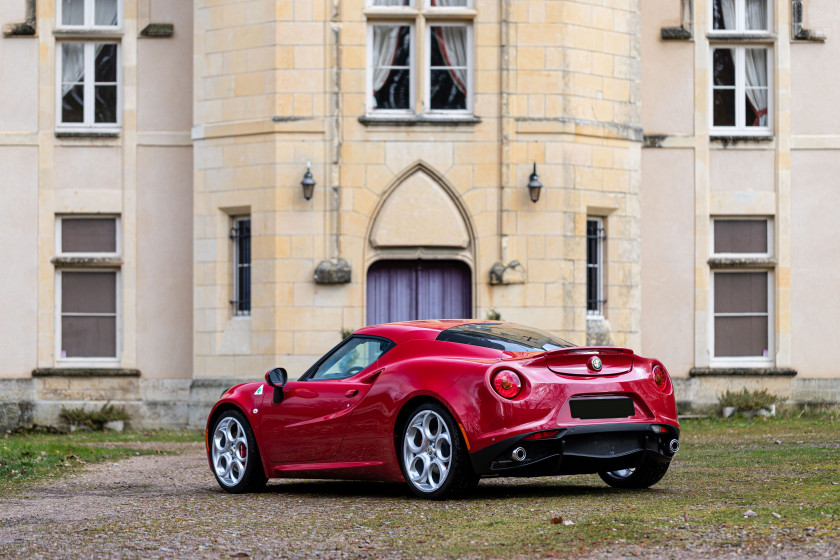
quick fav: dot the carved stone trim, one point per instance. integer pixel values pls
(685, 31)
(800, 33)
(158, 30)
(512, 273)
(27, 28)
(334, 271)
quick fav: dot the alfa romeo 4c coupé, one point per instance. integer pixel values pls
(441, 404)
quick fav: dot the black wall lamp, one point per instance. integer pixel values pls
(534, 185)
(308, 183)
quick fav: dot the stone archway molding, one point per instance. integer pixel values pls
(420, 209)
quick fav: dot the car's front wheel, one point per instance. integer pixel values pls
(649, 473)
(234, 454)
(433, 455)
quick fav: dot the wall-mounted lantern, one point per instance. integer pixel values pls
(534, 185)
(308, 183)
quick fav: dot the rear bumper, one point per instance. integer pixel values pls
(579, 450)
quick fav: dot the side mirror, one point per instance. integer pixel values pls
(277, 378)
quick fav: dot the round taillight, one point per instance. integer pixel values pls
(660, 378)
(507, 383)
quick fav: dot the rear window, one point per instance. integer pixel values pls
(504, 336)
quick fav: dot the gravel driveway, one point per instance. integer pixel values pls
(169, 506)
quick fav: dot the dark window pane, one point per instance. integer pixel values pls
(395, 93)
(391, 2)
(105, 12)
(242, 297)
(88, 337)
(72, 12)
(740, 236)
(449, 3)
(724, 100)
(88, 292)
(740, 292)
(106, 104)
(717, 15)
(391, 73)
(724, 67)
(445, 92)
(448, 76)
(106, 63)
(741, 336)
(88, 235)
(73, 104)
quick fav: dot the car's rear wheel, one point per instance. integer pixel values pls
(234, 454)
(649, 473)
(433, 455)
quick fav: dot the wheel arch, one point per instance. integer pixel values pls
(411, 404)
(220, 409)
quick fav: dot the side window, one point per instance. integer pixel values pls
(353, 356)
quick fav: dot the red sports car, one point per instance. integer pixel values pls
(440, 404)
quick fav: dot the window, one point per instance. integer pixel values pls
(510, 338)
(89, 88)
(595, 236)
(741, 74)
(88, 14)
(439, 84)
(742, 322)
(88, 71)
(351, 357)
(87, 299)
(740, 16)
(240, 233)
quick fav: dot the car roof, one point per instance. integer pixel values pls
(425, 329)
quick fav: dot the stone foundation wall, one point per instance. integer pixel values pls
(184, 403)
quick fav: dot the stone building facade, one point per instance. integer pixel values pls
(155, 156)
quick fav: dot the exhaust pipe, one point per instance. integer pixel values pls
(518, 454)
(674, 446)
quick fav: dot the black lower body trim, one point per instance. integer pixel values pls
(579, 450)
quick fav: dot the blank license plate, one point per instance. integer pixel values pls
(591, 409)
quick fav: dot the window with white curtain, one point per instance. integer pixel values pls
(88, 71)
(400, 83)
(741, 73)
(91, 14)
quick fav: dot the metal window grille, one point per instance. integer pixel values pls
(595, 236)
(240, 234)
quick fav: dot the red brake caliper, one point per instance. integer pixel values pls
(243, 451)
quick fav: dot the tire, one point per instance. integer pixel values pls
(644, 476)
(234, 454)
(433, 455)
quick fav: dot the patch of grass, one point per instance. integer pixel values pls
(32, 456)
(786, 466)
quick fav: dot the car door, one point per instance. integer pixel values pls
(310, 422)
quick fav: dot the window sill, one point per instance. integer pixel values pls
(88, 33)
(742, 371)
(85, 371)
(742, 262)
(87, 262)
(742, 37)
(734, 139)
(88, 132)
(419, 120)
